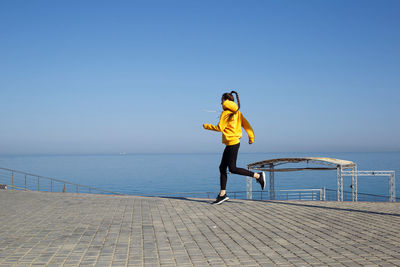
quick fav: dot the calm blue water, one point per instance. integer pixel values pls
(166, 173)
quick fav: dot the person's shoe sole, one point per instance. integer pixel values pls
(223, 200)
(263, 177)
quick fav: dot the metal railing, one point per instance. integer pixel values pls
(322, 194)
(295, 194)
(348, 196)
(18, 180)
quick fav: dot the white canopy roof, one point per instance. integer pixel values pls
(330, 163)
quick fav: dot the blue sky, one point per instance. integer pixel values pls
(113, 76)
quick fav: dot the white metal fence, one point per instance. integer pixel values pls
(18, 180)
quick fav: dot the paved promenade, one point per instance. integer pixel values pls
(56, 229)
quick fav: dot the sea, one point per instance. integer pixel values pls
(152, 174)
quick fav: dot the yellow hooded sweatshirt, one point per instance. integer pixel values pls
(231, 128)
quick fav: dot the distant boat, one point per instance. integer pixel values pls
(122, 153)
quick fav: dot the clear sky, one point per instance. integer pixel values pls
(142, 76)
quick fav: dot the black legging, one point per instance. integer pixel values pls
(229, 161)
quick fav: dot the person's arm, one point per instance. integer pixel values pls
(223, 121)
(247, 127)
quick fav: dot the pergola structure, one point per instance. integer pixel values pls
(327, 164)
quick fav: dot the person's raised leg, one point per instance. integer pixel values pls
(260, 177)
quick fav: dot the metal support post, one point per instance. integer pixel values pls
(249, 188)
(25, 182)
(356, 179)
(339, 184)
(392, 188)
(12, 180)
(354, 183)
(271, 182)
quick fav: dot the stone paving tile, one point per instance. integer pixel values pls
(56, 229)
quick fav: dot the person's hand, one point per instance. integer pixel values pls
(250, 142)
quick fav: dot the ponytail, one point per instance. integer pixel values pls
(237, 98)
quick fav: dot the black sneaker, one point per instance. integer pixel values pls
(220, 199)
(261, 180)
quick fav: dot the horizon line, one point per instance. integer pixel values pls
(171, 153)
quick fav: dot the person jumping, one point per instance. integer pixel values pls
(230, 124)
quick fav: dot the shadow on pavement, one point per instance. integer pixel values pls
(330, 208)
(209, 201)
